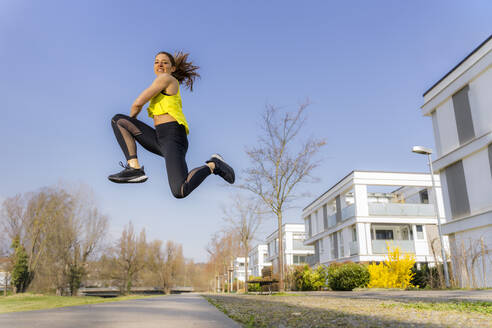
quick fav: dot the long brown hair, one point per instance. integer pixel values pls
(185, 70)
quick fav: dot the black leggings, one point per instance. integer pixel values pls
(167, 140)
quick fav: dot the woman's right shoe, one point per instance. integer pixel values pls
(222, 168)
(129, 175)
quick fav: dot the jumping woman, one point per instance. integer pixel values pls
(169, 138)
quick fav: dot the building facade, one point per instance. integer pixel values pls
(257, 259)
(357, 218)
(295, 251)
(239, 269)
(460, 105)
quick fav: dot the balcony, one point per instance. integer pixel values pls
(348, 212)
(381, 246)
(393, 209)
(354, 248)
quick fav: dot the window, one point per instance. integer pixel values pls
(424, 196)
(339, 208)
(298, 259)
(321, 246)
(384, 234)
(310, 232)
(334, 245)
(325, 214)
(354, 233)
(458, 195)
(420, 231)
(462, 113)
(340, 237)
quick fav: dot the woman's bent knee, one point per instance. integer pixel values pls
(178, 195)
(118, 117)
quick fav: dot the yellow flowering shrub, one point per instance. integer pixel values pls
(395, 272)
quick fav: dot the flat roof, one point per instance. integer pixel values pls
(350, 174)
(461, 62)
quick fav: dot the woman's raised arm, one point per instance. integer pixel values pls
(161, 82)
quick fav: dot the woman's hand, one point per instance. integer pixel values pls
(135, 110)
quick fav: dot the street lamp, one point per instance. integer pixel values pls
(428, 152)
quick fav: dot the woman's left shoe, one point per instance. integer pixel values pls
(222, 168)
(129, 175)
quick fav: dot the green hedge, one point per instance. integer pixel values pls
(347, 276)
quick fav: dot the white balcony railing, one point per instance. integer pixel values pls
(381, 246)
(348, 212)
(392, 209)
(354, 248)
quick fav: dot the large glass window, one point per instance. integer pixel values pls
(424, 196)
(420, 231)
(299, 259)
(354, 233)
(340, 237)
(384, 234)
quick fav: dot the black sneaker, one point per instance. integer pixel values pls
(222, 168)
(129, 175)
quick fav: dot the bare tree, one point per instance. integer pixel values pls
(280, 162)
(59, 230)
(244, 218)
(130, 256)
(223, 248)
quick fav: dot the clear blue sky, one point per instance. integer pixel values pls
(66, 67)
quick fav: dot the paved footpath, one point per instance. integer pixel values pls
(187, 310)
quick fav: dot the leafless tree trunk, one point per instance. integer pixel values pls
(278, 167)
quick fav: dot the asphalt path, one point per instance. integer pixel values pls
(186, 310)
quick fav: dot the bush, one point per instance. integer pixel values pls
(347, 276)
(420, 276)
(395, 272)
(254, 287)
(305, 278)
(428, 277)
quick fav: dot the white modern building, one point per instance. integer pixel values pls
(460, 105)
(4, 281)
(295, 252)
(359, 216)
(257, 259)
(239, 269)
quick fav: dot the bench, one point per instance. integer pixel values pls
(266, 281)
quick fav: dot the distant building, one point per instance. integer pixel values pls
(257, 259)
(239, 269)
(460, 105)
(4, 281)
(359, 216)
(295, 252)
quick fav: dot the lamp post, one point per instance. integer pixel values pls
(428, 152)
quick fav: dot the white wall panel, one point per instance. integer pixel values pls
(480, 97)
(448, 133)
(471, 238)
(478, 180)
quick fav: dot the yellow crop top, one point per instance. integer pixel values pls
(163, 104)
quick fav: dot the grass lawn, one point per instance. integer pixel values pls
(332, 311)
(28, 302)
